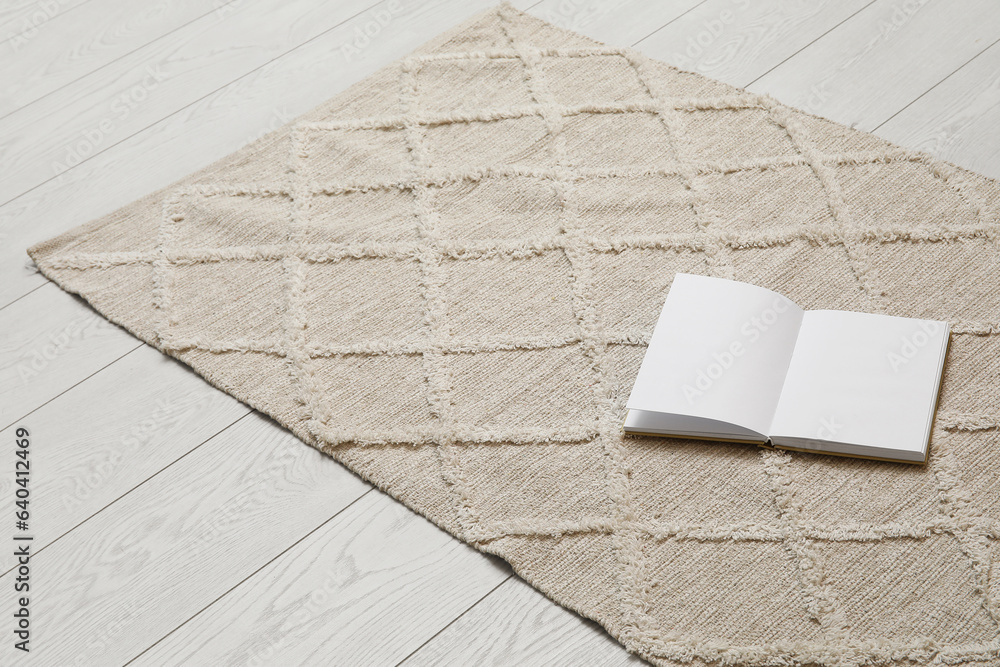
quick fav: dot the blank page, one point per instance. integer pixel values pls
(862, 379)
(719, 350)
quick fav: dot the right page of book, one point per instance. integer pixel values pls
(866, 380)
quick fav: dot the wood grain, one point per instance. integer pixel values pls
(956, 120)
(138, 569)
(517, 625)
(881, 59)
(71, 45)
(50, 341)
(614, 22)
(217, 124)
(738, 40)
(97, 111)
(109, 434)
(367, 588)
(22, 20)
(196, 549)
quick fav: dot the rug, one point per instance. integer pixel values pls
(445, 278)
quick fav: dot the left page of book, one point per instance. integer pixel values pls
(719, 352)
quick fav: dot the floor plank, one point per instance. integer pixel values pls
(171, 147)
(737, 40)
(74, 44)
(50, 341)
(614, 22)
(139, 569)
(883, 58)
(110, 433)
(98, 110)
(956, 120)
(517, 625)
(23, 20)
(111, 579)
(367, 588)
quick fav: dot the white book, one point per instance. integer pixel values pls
(733, 361)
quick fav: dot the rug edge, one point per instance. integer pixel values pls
(40, 251)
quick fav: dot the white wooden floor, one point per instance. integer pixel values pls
(171, 524)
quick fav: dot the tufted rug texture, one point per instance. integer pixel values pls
(445, 278)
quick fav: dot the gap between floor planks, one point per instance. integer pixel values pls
(922, 94)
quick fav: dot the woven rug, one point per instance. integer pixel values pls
(445, 278)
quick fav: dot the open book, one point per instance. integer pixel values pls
(732, 361)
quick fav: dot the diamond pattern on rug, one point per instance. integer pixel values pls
(446, 277)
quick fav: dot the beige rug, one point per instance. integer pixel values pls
(445, 278)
